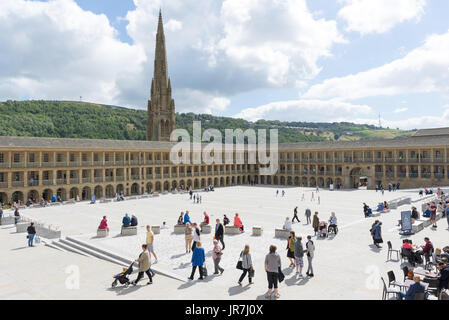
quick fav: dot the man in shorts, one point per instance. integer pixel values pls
(299, 255)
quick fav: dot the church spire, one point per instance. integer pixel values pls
(160, 56)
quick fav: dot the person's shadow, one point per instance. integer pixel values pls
(237, 290)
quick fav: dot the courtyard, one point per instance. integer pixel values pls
(346, 266)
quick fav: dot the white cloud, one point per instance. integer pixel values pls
(56, 50)
(379, 16)
(423, 70)
(173, 25)
(306, 110)
(399, 110)
(199, 102)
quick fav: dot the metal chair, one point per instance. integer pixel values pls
(391, 250)
(433, 285)
(406, 255)
(387, 291)
(392, 280)
(405, 270)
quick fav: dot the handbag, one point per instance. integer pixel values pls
(204, 271)
(281, 276)
(251, 273)
(240, 263)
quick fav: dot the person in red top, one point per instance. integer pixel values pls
(433, 214)
(205, 221)
(407, 245)
(104, 224)
(427, 248)
(238, 222)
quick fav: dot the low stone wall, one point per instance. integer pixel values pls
(129, 231)
(206, 228)
(257, 231)
(22, 227)
(232, 230)
(7, 220)
(102, 233)
(156, 229)
(179, 229)
(281, 233)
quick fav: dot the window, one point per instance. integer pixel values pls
(106, 157)
(16, 176)
(84, 157)
(2, 177)
(95, 156)
(46, 157)
(2, 158)
(46, 174)
(31, 157)
(16, 157)
(72, 157)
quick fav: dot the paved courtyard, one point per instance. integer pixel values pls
(346, 266)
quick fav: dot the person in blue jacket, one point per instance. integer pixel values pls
(415, 288)
(198, 258)
(187, 217)
(126, 221)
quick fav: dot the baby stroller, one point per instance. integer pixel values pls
(323, 229)
(123, 276)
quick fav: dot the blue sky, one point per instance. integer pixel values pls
(302, 60)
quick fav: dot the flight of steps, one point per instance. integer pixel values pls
(89, 250)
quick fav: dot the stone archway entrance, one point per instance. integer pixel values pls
(357, 178)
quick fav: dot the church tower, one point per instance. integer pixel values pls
(161, 108)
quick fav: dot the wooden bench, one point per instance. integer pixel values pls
(129, 231)
(281, 233)
(206, 228)
(257, 231)
(179, 228)
(232, 230)
(156, 229)
(102, 233)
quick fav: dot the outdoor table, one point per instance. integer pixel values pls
(424, 273)
(409, 282)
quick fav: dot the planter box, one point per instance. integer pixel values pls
(179, 229)
(232, 230)
(206, 228)
(257, 231)
(281, 233)
(129, 231)
(156, 229)
(102, 233)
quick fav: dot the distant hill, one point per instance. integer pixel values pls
(69, 119)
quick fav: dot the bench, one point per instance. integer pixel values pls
(393, 205)
(156, 194)
(22, 227)
(131, 198)
(105, 200)
(102, 233)
(179, 228)
(417, 226)
(257, 231)
(129, 231)
(144, 196)
(7, 220)
(281, 233)
(156, 229)
(206, 228)
(232, 230)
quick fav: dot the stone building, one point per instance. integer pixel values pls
(32, 167)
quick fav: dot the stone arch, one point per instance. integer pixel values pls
(304, 182)
(216, 182)
(33, 195)
(297, 181)
(119, 188)
(222, 182)
(289, 180)
(209, 182)
(134, 189)
(282, 181)
(312, 182)
(61, 192)
(47, 194)
(110, 191)
(17, 196)
(174, 184)
(238, 180)
(338, 181)
(98, 192)
(73, 193)
(275, 180)
(196, 184)
(203, 183)
(228, 180)
(182, 183)
(158, 186)
(166, 186)
(189, 183)
(321, 182)
(149, 187)
(86, 193)
(329, 181)
(268, 179)
(232, 180)
(3, 197)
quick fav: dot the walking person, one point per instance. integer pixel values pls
(216, 257)
(150, 241)
(247, 265)
(303, 197)
(295, 215)
(31, 230)
(433, 214)
(376, 231)
(313, 197)
(144, 262)
(299, 255)
(196, 235)
(219, 233)
(291, 249)
(272, 267)
(316, 222)
(310, 249)
(188, 231)
(308, 214)
(16, 215)
(198, 258)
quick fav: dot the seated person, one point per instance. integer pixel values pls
(444, 276)
(333, 222)
(205, 221)
(164, 225)
(181, 218)
(366, 210)
(406, 244)
(133, 221)
(225, 220)
(415, 214)
(238, 222)
(380, 207)
(29, 203)
(187, 218)
(445, 253)
(415, 288)
(126, 222)
(386, 206)
(103, 224)
(427, 248)
(287, 224)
